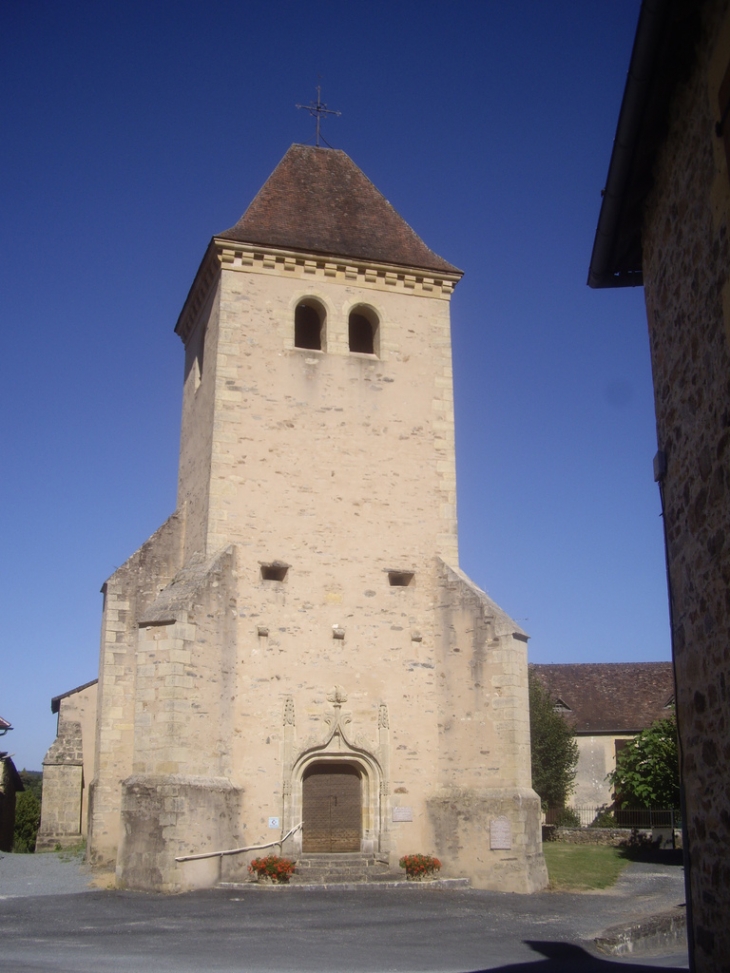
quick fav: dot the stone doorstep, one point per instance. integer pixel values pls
(337, 856)
(664, 931)
(353, 858)
(328, 869)
(385, 883)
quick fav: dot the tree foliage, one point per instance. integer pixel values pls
(27, 820)
(32, 781)
(647, 769)
(554, 748)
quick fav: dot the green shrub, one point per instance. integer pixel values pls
(647, 768)
(27, 820)
(554, 748)
(604, 818)
(565, 817)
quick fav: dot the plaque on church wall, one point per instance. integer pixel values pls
(402, 813)
(500, 834)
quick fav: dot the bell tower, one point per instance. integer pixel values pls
(318, 406)
(299, 636)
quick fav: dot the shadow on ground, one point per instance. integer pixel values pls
(566, 958)
(651, 855)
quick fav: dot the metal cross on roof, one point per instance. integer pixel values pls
(318, 110)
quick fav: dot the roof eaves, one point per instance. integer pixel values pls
(602, 272)
(56, 701)
(441, 269)
(663, 48)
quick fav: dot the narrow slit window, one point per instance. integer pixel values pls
(308, 326)
(363, 331)
(274, 572)
(400, 579)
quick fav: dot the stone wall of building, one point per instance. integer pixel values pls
(686, 266)
(8, 781)
(128, 592)
(484, 814)
(63, 787)
(596, 759)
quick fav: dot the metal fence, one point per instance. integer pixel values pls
(608, 817)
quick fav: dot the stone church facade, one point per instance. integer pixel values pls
(295, 656)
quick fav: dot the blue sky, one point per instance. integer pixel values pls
(132, 132)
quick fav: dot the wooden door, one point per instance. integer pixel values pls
(332, 806)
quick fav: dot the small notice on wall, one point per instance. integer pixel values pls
(273, 822)
(500, 834)
(402, 813)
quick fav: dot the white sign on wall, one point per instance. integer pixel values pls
(273, 822)
(402, 813)
(500, 834)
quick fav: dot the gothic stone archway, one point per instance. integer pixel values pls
(331, 808)
(336, 777)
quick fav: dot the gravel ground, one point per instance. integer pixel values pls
(50, 873)
(641, 888)
(47, 930)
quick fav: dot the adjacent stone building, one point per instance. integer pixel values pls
(295, 656)
(68, 768)
(608, 703)
(10, 785)
(665, 222)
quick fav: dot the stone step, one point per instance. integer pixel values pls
(322, 869)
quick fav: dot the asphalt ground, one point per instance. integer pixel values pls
(277, 930)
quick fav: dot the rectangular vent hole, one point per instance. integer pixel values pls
(274, 572)
(400, 579)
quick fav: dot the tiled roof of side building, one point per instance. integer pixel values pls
(610, 697)
(318, 201)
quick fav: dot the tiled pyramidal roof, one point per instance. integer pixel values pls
(318, 201)
(610, 697)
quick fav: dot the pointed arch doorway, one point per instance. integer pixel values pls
(332, 808)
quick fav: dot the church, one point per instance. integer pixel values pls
(294, 659)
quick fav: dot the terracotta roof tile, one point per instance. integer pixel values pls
(318, 201)
(610, 697)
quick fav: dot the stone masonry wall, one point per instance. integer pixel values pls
(62, 789)
(126, 594)
(7, 804)
(484, 744)
(686, 264)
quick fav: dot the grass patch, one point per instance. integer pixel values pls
(72, 852)
(582, 867)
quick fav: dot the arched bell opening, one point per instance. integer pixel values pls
(309, 325)
(364, 330)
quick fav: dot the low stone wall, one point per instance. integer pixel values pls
(666, 932)
(586, 836)
(609, 836)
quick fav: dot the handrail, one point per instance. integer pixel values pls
(237, 851)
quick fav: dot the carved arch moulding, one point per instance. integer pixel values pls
(337, 745)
